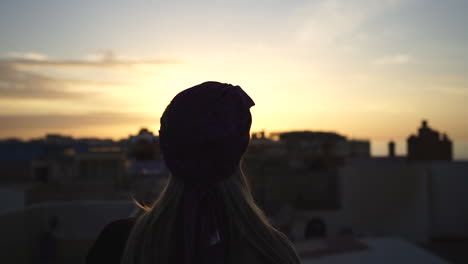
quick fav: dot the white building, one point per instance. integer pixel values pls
(390, 196)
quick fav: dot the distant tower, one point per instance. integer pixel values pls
(446, 148)
(391, 149)
(428, 145)
(144, 146)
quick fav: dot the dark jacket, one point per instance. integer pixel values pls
(110, 245)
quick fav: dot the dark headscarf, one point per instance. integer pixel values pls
(204, 132)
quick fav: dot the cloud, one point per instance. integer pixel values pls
(103, 59)
(71, 121)
(397, 59)
(27, 55)
(22, 75)
(329, 22)
(455, 91)
(17, 84)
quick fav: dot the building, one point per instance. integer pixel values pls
(299, 169)
(147, 173)
(325, 144)
(417, 201)
(144, 146)
(78, 224)
(15, 160)
(428, 144)
(100, 166)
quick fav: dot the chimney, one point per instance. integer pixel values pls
(391, 149)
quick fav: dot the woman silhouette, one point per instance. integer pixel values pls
(205, 213)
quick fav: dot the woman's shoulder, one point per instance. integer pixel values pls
(110, 244)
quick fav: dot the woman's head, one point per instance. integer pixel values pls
(204, 132)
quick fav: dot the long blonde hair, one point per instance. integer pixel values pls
(152, 239)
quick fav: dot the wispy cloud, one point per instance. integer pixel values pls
(454, 91)
(22, 75)
(18, 84)
(26, 85)
(332, 21)
(27, 55)
(397, 59)
(101, 59)
(71, 121)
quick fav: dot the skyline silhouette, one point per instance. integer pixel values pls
(378, 148)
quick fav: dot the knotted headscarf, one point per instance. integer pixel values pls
(204, 132)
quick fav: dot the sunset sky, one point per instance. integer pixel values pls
(365, 69)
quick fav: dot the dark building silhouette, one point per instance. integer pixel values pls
(391, 149)
(144, 146)
(429, 145)
(15, 160)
